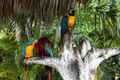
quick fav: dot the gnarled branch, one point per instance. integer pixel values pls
(52, 62)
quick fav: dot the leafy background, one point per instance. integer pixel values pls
(98, 21)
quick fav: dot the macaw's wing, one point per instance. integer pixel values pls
(40, 50)
(64, 24)
(23, 51)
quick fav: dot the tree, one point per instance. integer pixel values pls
(75, 63)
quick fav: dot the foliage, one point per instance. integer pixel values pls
(99, 22)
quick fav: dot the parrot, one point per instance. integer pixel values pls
(44, 49)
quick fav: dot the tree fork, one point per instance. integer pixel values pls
(75, 64)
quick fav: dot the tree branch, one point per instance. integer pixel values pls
(96, 56)
(52, 62)
(107, 53)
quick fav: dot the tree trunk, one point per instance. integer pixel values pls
(74, 63)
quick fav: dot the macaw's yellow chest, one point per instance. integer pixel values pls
(29, 51)
(71, 22)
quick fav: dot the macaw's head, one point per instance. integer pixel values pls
(72, 12)
(23, 36)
